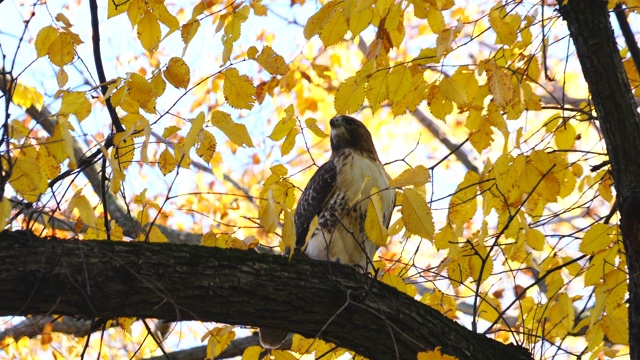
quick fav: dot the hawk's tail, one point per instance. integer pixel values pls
(272, 338)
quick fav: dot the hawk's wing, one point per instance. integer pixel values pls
(314, 199)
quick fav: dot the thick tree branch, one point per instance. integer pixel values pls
(107, 279)
(593, 37)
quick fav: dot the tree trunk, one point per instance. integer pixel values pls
(103, 279)
(593, 37)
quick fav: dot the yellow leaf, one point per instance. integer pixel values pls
(211, 239)
(49, 165)
(565, 136)
(162, 13)
(500, 85)
(452, 90)
(279, 170)
(361, 16)
(350, 96)
(123, 152)
(374, 220)
(27, 179)
(444, 303)
(125, 323)
(398, 283)
(197, 125)
(394, 24)
(5, 212)
(317, 21)
(481, 138)
(158, 85)
(534, 238)
(259, 9)
(303, 345)
(95, 233)
(149, 31)
(445, 238)
(435, 355)
(238, 89)
(117, 176)
(114, 87)
(62, 77)
(252, 52)
(289, 142)
(82, 204)
(435, 19)
(377, 90)
(177, 73)
(60, 143)
(605, 187)
(560, 317)
(417, 176)
(27, 96)
(269, 210)
(439, 106)
(283, 126)
(416, 215)
(181, 156)
(141, 91)
(463, 204)
(61, 51)
(136, 11)
(597, 238)
(116, 8)
(478, 261)
(288, 233)
(252, 353)
(223, 241)
(427, 56)
(312, 124)
(312, 229)
(272, 62)
(601, 263)
(75, 103)
(64, 20)
(282, 355)
(398, 86)
(505, 32)
(133, 122)
(46, 36)
(594, 336)
(445, 40)
(187, 32)
(156, 236)
(336, 26)
(167, 162)
(616, 329)
(232, 31)
(17, 130)
(237, 133)
(507, 171)
(489, 308)
(170, 130)
(207, 146)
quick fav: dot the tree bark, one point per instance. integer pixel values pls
(593, 37)
(104, 279)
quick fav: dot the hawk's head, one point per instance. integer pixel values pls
(349, 133)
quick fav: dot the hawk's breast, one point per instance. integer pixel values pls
(340, 235)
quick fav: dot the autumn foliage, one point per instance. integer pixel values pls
(213, 116)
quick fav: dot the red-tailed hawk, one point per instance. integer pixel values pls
(338, 194)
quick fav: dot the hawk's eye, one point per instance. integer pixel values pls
(350, 122)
